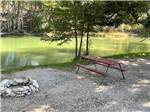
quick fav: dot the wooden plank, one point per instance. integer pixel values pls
(111, 66)
(105, 61)
(92, 70)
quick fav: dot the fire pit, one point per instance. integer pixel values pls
(18, 87)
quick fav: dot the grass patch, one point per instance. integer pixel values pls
(131, 55)
(69, 66)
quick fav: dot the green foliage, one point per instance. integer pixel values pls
(146, 23)
(75, 18)
(37, 24)
(58, 14)
(60, 23)
(125, 27)
(118, 12)
(135, 28)
(145, 32)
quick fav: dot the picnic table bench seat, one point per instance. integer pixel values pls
(110, 66)
(92, 70)
(96, 59)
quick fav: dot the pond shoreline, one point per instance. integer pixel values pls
(69, 66)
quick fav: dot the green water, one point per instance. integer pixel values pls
(29, 50)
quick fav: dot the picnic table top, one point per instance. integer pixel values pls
(101, 60)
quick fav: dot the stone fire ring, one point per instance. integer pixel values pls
(18, 87)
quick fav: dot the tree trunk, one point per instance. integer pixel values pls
(87, 43)
(8, 26)
(30, 17)
(14, 20)
(76, 37)
(18, 17)
(80, 47)
(21, 17)
(18, 7)
(76, 44)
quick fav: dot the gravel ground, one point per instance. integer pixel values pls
(69, 92)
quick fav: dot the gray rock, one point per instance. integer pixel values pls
(6, 83)
(28, 93)
(19, 81)
(8, 92)
(35, 84)
(32, 88)
(20, 95)
(19, 89)
(27, 80)
(2, 88)
(28, 86)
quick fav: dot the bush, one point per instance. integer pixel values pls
(135, 28)
(124, 27)
(37, 24)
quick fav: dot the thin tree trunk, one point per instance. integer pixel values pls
(80, 47)
(14, 16)
(87, 43)
(76, 38)
(14, 24)
(8, 25)
(76, 44)
(18, 16)
(21, 17)
(31, 17)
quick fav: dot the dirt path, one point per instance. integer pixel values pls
(70, 92)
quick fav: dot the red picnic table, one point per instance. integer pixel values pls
(109, 63)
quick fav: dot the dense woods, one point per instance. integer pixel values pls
(73, 19)
(19, 16)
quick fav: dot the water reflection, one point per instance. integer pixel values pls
(22, 62)
(34, 63)
(12, 60)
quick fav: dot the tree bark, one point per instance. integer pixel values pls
(18, 17)
(87, 44)
(80, 47)
(76, 38)
(21, 17)
(76, 44)
(87, 41)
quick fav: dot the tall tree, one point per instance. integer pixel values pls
(93, 15)
(66, 21)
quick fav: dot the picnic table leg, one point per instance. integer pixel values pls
(105, 77)
(94, 64)
(107, 68)
(77, 70)
(121, 71)
(103, 81)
